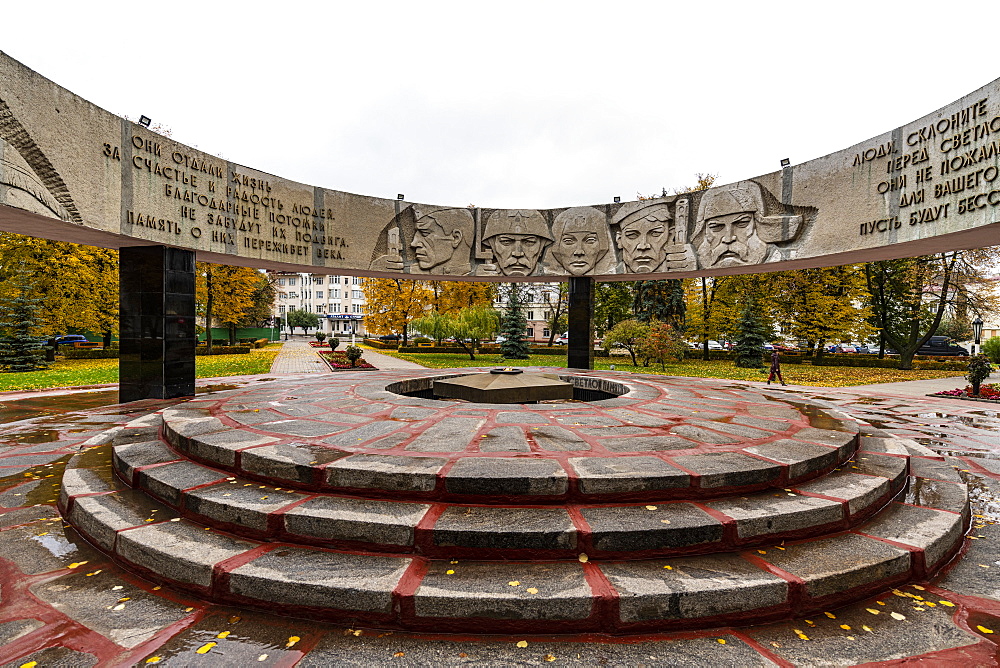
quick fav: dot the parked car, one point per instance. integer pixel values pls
(942, 345)
(715, 345)
(389, 337)
(562, 340)
(70, 339)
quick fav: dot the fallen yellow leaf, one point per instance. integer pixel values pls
(896, 615)
(224, 634)
(721, 641)
(846, 627)
(830, 615)
(77, 564)
(800, 634)
(294, 639)
(449, 572)
(262, 657)
(399, 654)
(947, 603)
(983, 629)
(522, 643)
(583, 558)
(206, 648)
(154, 659)
(872, 610)
(867, 628)
(650, 507)
(514, 583)
(550, 658)
(532, 590)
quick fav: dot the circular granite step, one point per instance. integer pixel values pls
(908, 540)
(661, 439)
(215, 497)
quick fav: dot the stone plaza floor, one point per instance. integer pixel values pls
(64, 603)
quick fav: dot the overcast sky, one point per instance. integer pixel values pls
(511, 104)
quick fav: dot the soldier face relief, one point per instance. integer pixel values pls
(431, 245)
(731, 220)
(732, 240)
(643, 242)
(581, 240)
(517, 254)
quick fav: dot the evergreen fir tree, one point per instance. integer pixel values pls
(661, 301)
(751, 335)
(19, 351)
(512, 327)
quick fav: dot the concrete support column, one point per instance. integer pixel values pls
(580, 354)
(156, 323)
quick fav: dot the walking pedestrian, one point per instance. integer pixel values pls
(775, 368)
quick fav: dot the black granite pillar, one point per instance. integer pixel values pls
(156, 323)
(580, 354)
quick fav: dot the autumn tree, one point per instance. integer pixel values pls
(820, 305)
(225, 294)
(453, 296)
(77, 285)
(910, 296)
(661, 343)
(629, 335)
(392, 303)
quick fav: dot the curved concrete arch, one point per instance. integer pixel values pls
(74, 172)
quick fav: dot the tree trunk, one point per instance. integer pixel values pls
(107, 340)
(232, 334)
(881, 344)
(631, 352)
(704, 319)
(209, 303)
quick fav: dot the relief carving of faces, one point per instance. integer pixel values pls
(581, 239)
(442, 240)
(730, 220)
(517, 240)
(643, 237)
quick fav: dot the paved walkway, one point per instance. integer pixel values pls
(386, 362)
(298, 357)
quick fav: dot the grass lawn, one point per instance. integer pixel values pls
(69, 373)
(795, 374)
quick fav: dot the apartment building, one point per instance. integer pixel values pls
(541, 301)
(337, 300)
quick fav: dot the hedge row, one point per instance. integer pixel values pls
(112, 354)
(383, 345)
(85, 354)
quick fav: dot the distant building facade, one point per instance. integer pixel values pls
(338, 301)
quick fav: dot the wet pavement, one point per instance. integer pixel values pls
(64, 603)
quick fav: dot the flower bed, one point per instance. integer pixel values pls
(987, 392)
(318, 344)
(338, 361)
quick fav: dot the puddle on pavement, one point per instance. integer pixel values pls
(220, 387)
(868, 400)
(57, 404)
(35, 436)
(984, 498)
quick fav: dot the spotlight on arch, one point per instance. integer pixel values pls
(785, 162)
(144, 121)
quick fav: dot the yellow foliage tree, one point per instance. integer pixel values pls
(225, 294)
(78, 284)
(453, 296)
(393, 302)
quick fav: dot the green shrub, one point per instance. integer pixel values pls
(991, 348)
(223, 350)
(84, 354)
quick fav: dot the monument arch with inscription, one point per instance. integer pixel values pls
(74, 172)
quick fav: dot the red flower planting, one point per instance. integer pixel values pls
(338, 360)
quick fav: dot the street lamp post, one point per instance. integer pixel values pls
(977, 330)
